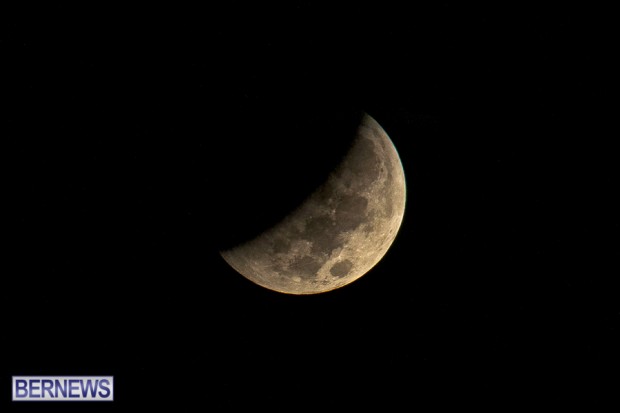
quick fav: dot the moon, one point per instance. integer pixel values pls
(340, 231)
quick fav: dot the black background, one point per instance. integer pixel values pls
(136, 143)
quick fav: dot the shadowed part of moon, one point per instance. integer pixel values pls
(340, 231)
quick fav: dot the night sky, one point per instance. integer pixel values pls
(138, 143)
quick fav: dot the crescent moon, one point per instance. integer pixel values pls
(340, 231)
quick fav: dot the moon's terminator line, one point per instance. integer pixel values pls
(341, 231)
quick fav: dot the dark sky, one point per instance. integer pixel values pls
(137, 143)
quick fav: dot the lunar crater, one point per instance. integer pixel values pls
(341, 268)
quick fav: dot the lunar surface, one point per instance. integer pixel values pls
(340, 231)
